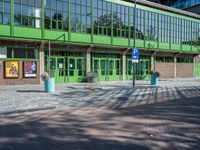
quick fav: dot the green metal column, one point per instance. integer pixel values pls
(112, 24)
(181, 36)
(92, 23)
(69, 20)
(159, 18)
(144, 28)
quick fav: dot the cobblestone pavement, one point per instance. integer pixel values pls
(116, 117)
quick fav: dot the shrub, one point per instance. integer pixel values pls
(157, 73)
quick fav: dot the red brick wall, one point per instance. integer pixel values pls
(21, 80)
(184, 70)
(166, 69)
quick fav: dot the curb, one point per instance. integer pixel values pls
(26, 110)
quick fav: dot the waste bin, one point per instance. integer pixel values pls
(49, 85)
(92, 77)
(154, 79)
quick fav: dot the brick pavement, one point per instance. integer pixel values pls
(113, 94)
(115, 118)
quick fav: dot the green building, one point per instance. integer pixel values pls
(95, 36)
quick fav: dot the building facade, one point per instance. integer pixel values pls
(94, 36)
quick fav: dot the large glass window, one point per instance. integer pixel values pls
(151, 21)
(22, 53)
(195, 34)
(140, 23)
(27, 13)
(164, 29)
(184, 59)
(120, 21)
(4, 11)
(175, 30)
(56, 14)
(102, 17)
(81, 16)
(186, 32)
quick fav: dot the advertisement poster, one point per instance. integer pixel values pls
(30, 69)
(11, 69)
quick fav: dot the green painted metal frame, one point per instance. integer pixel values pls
(141, 71)
(16, 32)
(106, 73)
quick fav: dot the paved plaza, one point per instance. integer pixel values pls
(113, 116)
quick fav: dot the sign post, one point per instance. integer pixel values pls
(134, 50)
(135, 60)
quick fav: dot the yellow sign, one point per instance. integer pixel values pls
(11, 69)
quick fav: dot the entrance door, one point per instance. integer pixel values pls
(142, 69)
(129, 69)
(107, 69)
(57, 68)
(75, 69)
(60, 70)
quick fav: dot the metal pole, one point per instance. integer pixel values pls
(49, 57)
(134, 44)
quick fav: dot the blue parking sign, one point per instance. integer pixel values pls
(135, 55)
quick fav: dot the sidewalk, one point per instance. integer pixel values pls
(32, 97)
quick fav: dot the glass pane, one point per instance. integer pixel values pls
(103, 67)
(103, 64)
(79, 64)
(111, 67)
(117, 64)
(60, 63)
(52, 63)
(96, 64)
(71, 63)
(19, 53)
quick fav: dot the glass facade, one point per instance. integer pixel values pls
(56, 14)
(100, 17)
(5, 11)
(27, 13)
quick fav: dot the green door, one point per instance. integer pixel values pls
(142, 69)
(57, 65)
(129, 69)
(75, 69)
(60, 70)
(107, 69)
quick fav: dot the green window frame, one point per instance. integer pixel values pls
(5, 15)
(120, 21)
(102, 13)
(81, 16)
(22, 53)
(184, 59)
(28, 13)
(56, 15)
(151, 26)
(164, 59)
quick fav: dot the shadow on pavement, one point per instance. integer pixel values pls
(171, 125)
(31, 91)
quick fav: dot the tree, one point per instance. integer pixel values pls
(151, 36)
(105, 21)
(196, 43)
